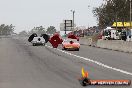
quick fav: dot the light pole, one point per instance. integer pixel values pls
(73, 12)
(88, 15)
(130, 13)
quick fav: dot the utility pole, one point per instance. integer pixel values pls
(65, 27)
(88, 15)
(130, 13)
(73, 12)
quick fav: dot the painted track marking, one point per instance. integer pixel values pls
(93, 61)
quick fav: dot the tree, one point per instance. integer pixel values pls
(6, 29)
(38, 30)
(51, 30)
(112, 11)
(23, 33)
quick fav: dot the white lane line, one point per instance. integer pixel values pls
(93, 61)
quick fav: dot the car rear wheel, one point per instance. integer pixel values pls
(63, 48)
(77, 49)
(34, 44)
(43, 44)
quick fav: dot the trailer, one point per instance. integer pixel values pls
(110, 34)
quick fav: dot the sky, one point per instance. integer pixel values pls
(26, 14)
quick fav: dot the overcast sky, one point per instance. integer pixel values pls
(25, 14)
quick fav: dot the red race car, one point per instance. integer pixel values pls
(70, 44)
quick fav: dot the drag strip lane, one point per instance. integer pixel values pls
(96, 62)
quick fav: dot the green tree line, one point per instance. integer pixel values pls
(112, 11)
(6, 29)
(39, 30)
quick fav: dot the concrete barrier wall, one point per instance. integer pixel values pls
(84, 41)
(118, 45)
(91, 40)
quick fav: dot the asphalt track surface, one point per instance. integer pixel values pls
(25, 66)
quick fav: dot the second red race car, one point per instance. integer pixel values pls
(70, 44)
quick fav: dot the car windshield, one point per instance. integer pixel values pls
(38, 38)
